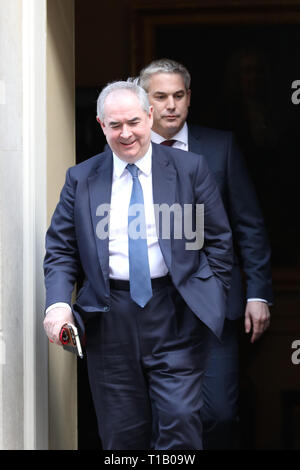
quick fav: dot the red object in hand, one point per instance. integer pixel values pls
(64, 336)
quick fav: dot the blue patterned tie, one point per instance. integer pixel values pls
(139, 271)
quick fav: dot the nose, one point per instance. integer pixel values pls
(170, 102)
(126, 131)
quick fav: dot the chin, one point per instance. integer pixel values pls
(172, 127)
(129, 158)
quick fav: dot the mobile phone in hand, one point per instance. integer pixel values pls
(69, 337)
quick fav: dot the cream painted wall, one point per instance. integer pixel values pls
(11, 228)
(60, 156)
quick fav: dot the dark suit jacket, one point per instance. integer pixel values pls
(251, 247)
(202, 277)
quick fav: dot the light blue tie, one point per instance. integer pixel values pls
(139, 271)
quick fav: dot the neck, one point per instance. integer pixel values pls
(166, 133)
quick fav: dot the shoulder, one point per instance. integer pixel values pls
(211, 139)
(185, 164)
(210, 134)
(177, 157)
(88, 167)
(218, 145)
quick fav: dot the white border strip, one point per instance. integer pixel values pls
(2, 343)
(34, 217)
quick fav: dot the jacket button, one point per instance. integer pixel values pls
(106, 309)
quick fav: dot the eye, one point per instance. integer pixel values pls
(160, 97)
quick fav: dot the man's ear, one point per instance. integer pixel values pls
(101, 123)
(150, 115)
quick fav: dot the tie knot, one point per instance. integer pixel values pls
(168, 143)
(133, 170)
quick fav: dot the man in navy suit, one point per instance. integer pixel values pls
(151, 292)
(168, 86)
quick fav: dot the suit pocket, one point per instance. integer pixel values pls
(204, 272)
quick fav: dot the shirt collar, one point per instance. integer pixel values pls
(144, 164)
(181, 136)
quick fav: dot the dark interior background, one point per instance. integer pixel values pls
(242, 73)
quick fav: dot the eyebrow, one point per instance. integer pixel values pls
(134, 119)
(130, 121)
(165, 93)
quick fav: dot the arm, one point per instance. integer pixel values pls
(61, 264)
(251, 240)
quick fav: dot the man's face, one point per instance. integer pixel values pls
(126, 126)
(170, 100)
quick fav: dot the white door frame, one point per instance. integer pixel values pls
(35, 351)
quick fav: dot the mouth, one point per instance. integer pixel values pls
(128, 144)
(171, 116)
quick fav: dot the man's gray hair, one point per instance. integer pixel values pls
(164, 66)
(129, 85)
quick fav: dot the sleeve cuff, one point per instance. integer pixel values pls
(259, 300)
(58, 304)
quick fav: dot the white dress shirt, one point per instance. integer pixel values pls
(181, 138)
(118, 226)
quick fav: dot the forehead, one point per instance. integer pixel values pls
(122, 103)
(166, 82)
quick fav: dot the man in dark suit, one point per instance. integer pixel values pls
(168, 86)
(151, 292)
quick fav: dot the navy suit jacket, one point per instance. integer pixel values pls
(250, 241)
(201, 276)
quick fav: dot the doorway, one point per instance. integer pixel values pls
(243, 61)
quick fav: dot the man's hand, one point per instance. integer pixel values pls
(257, 317)
(54, 320)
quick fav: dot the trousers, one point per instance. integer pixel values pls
(145, 362)
(221, 390)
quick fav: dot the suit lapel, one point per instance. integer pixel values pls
(164, 192)
(100, 193)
